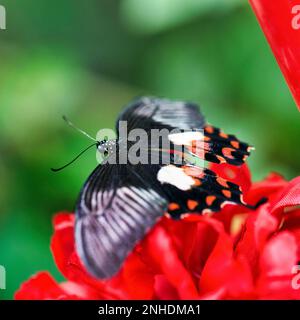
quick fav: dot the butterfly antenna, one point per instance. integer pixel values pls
(78, 129)
(80, 154)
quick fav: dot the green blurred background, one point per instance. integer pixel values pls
(86, 59)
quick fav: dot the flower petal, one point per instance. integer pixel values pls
(160, 252)
(269, 188)
(276, 264)
(290, 196)
(137, 278)
(42, 287)
(194, 240)
(224, 271)
(258, 228)
(62, 242)
(163, 289)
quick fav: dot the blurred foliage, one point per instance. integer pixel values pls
(150, 16)
(88, 59)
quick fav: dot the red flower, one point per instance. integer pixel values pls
(235, 254)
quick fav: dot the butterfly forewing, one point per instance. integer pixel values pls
(154, 113)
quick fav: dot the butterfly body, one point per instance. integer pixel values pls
(121, 202)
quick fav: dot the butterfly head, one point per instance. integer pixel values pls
(106, 147)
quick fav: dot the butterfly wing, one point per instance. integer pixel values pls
(154, 113)
(215, 146)
(191, 189)
(116, 209)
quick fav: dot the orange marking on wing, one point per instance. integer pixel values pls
(227, 153)
(210, 199)
(227, 193)
(209, 129)
(173, 206)
(235, 144)
(192, 204)
(193, 171)
(223, 135)
(221, 159)
(222, 182)
(197, 182)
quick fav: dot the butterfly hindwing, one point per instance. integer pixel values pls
(191, 189)
(224, 148)
(115, 210)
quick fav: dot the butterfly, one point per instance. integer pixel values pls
(120, 203)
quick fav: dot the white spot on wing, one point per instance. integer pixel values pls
(186, 138)
(175, 176)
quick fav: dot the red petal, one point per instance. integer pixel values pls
(229, 216)
(194, 241)
(291, 222)
(160, 252)
(223, 271)
(276, 263)
(269, 188)
(290, 196)
(137, 278)
(214, 295)
(280, 26)
(62, 242)
(258, 228)
(279, 255)
(164, 290)
(42, 287)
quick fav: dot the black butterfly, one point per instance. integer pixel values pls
(120, 203)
